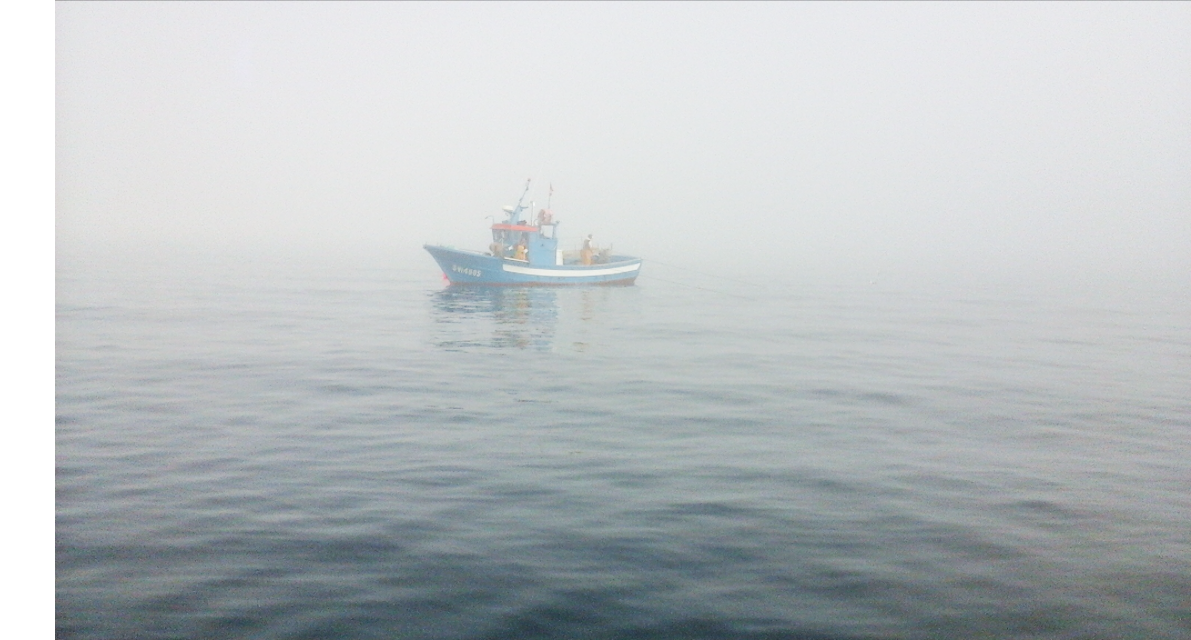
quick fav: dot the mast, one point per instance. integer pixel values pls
(520, 203)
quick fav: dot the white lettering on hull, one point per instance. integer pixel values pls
(475, 273)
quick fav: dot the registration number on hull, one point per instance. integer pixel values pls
(475, 273)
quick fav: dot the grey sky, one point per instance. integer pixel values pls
(865, 135)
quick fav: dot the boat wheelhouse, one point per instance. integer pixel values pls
(527, 253)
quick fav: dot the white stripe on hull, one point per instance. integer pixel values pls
(569, 273)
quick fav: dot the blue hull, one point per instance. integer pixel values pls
(469, 267)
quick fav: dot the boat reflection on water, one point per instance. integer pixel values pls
(495, 317)
(466, 318)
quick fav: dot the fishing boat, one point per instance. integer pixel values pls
(522, 253)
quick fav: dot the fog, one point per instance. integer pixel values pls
(1031, 138)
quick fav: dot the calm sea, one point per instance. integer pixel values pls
(347, 451)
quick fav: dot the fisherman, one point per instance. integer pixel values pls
(520, 252)
(544, 217)
(587, 251)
